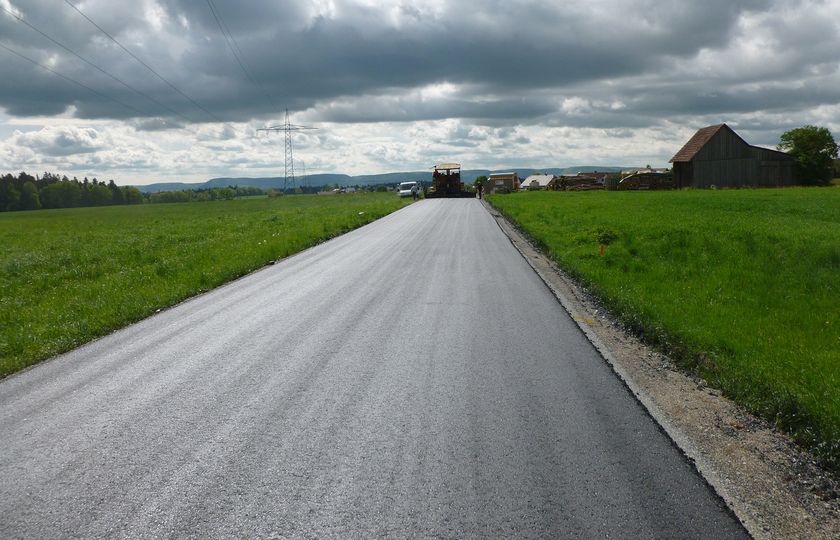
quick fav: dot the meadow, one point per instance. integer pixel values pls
(69, 276)
(739, 286)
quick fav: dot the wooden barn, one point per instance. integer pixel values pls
(717, 156)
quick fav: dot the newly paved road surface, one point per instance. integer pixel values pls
(411, 378)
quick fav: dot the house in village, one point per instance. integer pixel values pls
(598, 177)
(540, 181)
(501, 182)
(717, 156)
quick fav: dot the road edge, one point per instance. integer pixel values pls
(783, 501)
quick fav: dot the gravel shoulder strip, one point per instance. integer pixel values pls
(775, 488)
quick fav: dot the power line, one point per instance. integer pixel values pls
(93, 65)
(231, 43)
(287, 128)
(144, 64)
(72, 80)
(236, 50)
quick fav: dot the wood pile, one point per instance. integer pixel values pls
(640, 181)
(579, 183)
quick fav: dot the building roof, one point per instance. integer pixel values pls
(697, 142)
(541, 179)
(703, 136)
(776, 153)
(502, 175)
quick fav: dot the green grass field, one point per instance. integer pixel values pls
(742, 286)
(69, 276)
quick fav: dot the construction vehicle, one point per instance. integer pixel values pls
(446, 182)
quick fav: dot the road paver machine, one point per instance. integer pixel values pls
(446, 182)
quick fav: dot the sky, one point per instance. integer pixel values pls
(400, 85)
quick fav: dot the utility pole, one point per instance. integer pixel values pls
(287, 128)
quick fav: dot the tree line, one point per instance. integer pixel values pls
(27, 192)
(200, 195)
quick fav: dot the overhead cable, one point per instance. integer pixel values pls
(144, 64)
(72, 80)
(93, 65)
(237, 51)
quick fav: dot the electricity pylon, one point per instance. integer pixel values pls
(287, 128)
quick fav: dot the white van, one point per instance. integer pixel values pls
(409, 189)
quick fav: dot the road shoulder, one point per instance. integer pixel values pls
(772, 486)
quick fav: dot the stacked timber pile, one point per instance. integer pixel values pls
(579, 183)
(647, 180)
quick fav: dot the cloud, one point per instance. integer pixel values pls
(491, 80)
(156, 124)
(61, 141)
(322, 53)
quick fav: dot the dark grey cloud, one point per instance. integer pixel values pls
(416, 106)
(634, 62)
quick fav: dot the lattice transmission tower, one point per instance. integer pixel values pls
(287, 128)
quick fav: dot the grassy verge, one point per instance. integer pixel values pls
(69, 276)
(741, 286)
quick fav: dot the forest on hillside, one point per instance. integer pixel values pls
(27, 192)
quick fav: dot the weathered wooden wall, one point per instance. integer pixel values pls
(775, 168)
(727, 161)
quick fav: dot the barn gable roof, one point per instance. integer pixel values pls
(697, 142)
(704, 135)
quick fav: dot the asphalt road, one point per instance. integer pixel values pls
(410, 378)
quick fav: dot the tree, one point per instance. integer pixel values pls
(170, 197)
(217, 194)
(12, 198)
(479, 180)
(6, 187)
(131, 195)
(99, 194)
(116, 193)
(814, 150)
(29, 199)
(62, 195)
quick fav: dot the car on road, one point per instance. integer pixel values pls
(409, 189)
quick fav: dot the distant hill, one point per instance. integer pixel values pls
(468, 175)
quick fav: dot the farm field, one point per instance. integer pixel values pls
(69, 276)
(740, 286)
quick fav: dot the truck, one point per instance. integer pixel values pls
(446, 182)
